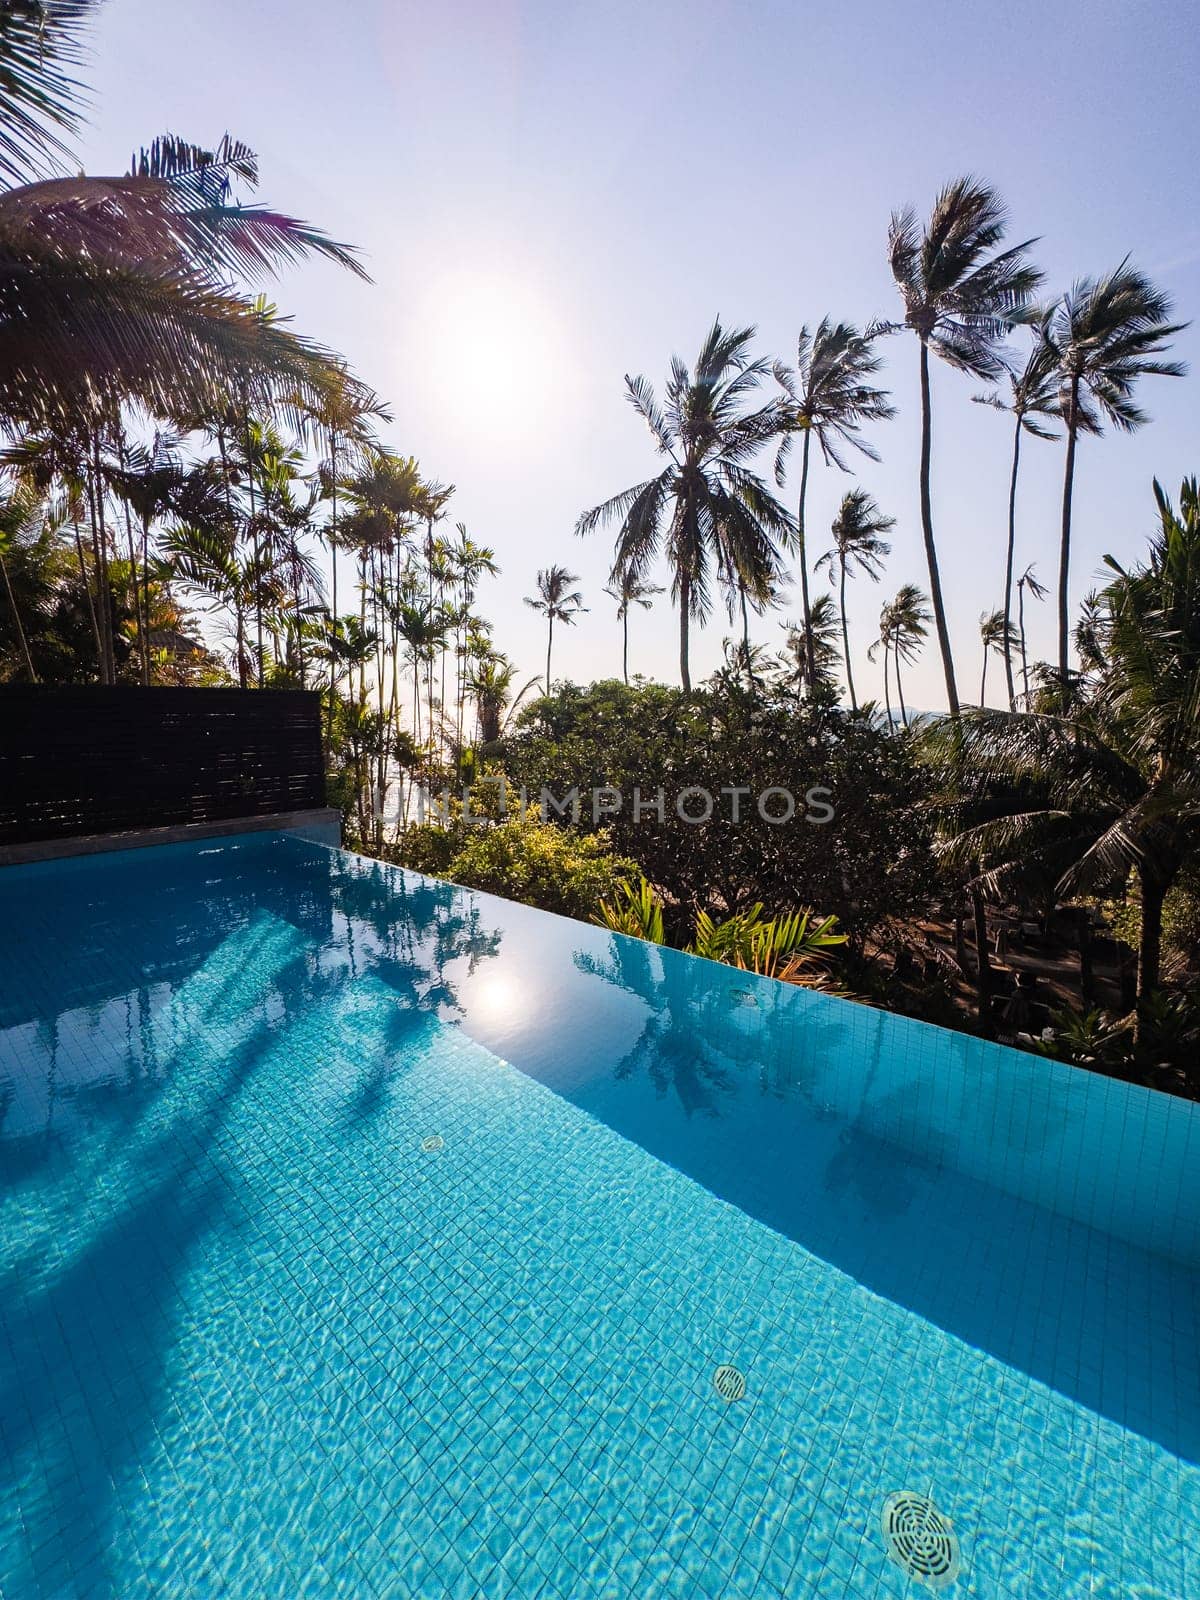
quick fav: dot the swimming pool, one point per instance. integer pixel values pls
(367, 1237)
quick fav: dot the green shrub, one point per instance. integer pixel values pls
(552, 868)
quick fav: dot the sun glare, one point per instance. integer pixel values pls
(495, 351)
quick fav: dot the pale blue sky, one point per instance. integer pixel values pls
(551, 194)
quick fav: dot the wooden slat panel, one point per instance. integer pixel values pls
(101, 760)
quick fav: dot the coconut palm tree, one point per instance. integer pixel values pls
(961, 296)
(1105, 334)
(630, 591)
(557, 602)
(910, 628)
(1032, 396)
(856, 543)
(903, 627)
(1112, 789)
(1037, 591)
(128, 282)
(996, 634)
(830, 397)
(41, 48)
(825, 628)
(707, 509)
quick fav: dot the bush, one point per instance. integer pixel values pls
(871, 862)
(540, 865)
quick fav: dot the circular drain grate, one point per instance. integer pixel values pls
(920, 1540)
(433, 1142)
(729, 1383)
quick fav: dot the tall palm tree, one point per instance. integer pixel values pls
(903, 628)
(491, 683)
(709, 510)
(557, 602)
(830, 396)
(1112, 789)
(825, 629)
(997, 634)
(1037, 591)
(628, 591)
(1033, 395)
(961, 296)
(1105, 334)
(856, 543)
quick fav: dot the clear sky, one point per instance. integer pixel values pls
(550, 194)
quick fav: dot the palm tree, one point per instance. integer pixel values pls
(128, 281)
(1037, 591)
(707, 509)
(1105, 334)
(22, 514)
(910, 628)
(41, 48)
(491, 686)
(856, 543)
(1033, 394)
(630, 591)
(1113, 788)
(207, 561)
(469, 562)
(824, 627)
(960, 298)
(999, 635)
(557, 602)
(903, 627)
(830, 396)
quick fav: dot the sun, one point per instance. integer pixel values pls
(495, 351)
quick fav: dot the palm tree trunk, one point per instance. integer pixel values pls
(333, 516)
(810, 653)
(1008, 569)
(625, 645)
(258, 577)
(983, 681)
(146, 595)
(1021, 628)
(1153, 893)
(846, 635)
(745, 624)
(900, 690)
(983, 967)
(685, 605)
(108, 673)
(12, 601)
(935, 580)
(87, 587)
(1064, 554)
(887, 699)
(549, 647)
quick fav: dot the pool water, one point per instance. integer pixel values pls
(362, 1236)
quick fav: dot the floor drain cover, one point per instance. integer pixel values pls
(433, 1142)
(920, 1540)
(729, 1383)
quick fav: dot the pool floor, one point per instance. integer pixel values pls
(304, 1290)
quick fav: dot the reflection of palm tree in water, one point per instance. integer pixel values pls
(885, 1176)
(406, 932)
(710, 1025)
(680, 1043)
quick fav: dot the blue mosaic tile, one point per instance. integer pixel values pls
(257, 1338)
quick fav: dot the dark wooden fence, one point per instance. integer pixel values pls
(104, 760)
